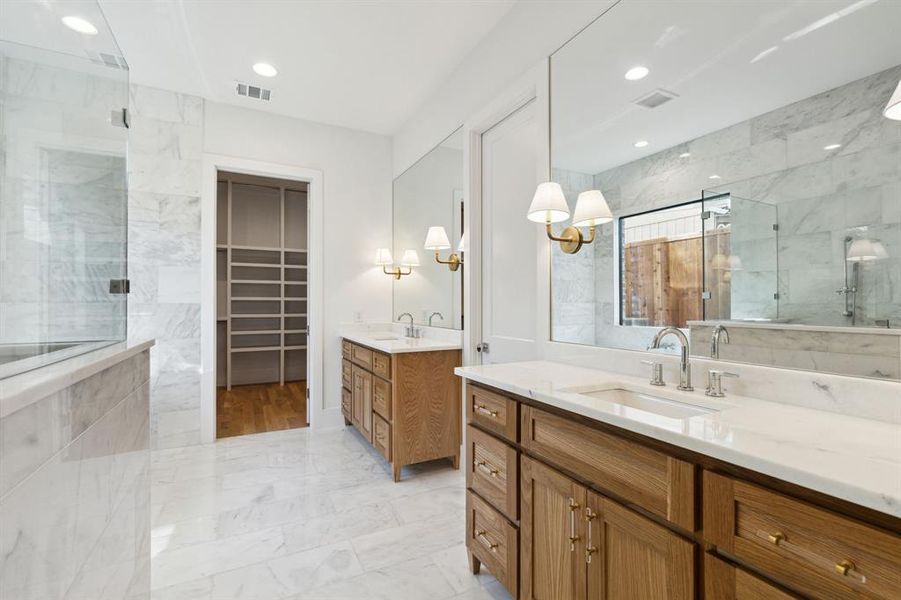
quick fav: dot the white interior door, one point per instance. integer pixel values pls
(509, 275)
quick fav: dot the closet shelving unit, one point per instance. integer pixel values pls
(262, 281)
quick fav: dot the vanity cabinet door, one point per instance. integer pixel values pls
(552, 563)
(366, 419)
(630, 556)
(723, 581)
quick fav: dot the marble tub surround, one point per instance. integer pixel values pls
(865, 352)
(433, 338)
(307, 515)
(861, 464)
(75, 486)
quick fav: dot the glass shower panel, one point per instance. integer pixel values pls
(740, 259)
(63, 192)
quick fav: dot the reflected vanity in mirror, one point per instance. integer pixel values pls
(428, 216)
(755, 194)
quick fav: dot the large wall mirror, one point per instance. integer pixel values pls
(754, 176)
(428, 220)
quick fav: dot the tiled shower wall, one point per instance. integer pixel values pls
(164, 180)
(776, 158)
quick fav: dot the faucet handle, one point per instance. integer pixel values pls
(656, 372)
(715, 382)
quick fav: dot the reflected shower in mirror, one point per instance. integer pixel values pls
(428, 215)
(750, 186)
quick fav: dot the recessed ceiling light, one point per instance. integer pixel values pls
(714, 177)
(80, 25)
(832, 146)
(685, 155)
(265, 69)
(641, 143)
(636, 73)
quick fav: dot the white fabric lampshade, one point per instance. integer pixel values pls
(591, 210)
(409, 259)
(436, 239)
(879, 250)
(383, 256)
(462, 246)
(862, 250)
(893, 108)
(548, 204)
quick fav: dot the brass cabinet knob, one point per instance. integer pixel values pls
(843, 567)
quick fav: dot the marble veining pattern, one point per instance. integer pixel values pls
(164, 179)
(297, 515)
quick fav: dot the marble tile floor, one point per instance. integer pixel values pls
(297, 515)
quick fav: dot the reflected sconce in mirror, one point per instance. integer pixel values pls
(549, 206)
(436, 239)
(409, 260)
(864, 250)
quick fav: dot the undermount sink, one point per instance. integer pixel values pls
(385, 337)
(647, 403)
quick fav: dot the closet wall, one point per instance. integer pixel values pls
(261, 332)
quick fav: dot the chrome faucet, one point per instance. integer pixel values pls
(409, 331)
(440, 316)
(720, 335)
(684, 364)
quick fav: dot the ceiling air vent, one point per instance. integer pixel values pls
(253, 91)
(112, 61)
(656, 98)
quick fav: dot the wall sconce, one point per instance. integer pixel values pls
(549, 206)
(864, 250)
(436, 239)
(409, 260)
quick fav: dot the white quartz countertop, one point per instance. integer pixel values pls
(858, 460)
(394, 343)
(19, 391)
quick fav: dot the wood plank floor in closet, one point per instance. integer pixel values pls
(258, 408)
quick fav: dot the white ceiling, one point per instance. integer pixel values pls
(705, 56)
(364, 64)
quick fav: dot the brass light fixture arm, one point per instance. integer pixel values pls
(396, 272)
(453, 261)
(571, 239)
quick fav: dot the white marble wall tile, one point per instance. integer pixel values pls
(76, 527)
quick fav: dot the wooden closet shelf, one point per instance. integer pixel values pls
(295, 347)
(258, 332)
(256, 298)
(251, 264)
(258, 281)
(257, 349)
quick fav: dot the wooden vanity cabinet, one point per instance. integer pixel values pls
(406, 405)
(577, 544)
(601, 513)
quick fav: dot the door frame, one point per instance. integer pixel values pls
(534, 85)
(212, 164)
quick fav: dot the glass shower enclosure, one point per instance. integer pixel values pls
(63, 192)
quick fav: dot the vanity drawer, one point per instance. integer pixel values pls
(723, 581)
(381, 436)
(381, 397)
(493, 541)
(381, 365)
(492, 471)
(639, 475)
(492, 411)
(347, 403)
(362, 356)
(819, 552)
(346, 374)
(346, 349)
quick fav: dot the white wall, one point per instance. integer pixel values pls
(356, 167)
(529, 33)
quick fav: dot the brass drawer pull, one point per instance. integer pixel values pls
(776, 538)
(843, 567)
(590, 549)
(482, 534)
(481, 408)
(487, 469)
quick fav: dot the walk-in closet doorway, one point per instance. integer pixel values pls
(261, 298)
